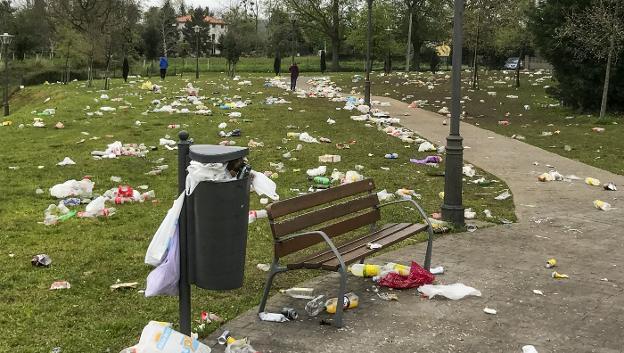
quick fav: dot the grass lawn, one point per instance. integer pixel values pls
(92, 254)
(572, 134)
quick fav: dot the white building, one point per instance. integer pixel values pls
(216, 27)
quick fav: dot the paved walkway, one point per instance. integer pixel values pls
(582, 314)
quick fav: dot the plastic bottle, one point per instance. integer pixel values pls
(398, 268)
(322, 180)
(365, 270)
(299, 293)
(240, 346)
(315, 306)
(351, 300)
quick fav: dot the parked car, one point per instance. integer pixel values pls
(512, 64)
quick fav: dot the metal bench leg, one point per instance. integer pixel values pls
(275, 269)
(429, 248)
(341, 292)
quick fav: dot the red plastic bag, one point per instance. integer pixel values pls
(417, 277)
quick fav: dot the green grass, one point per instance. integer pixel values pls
(602, 150)
(94, 253)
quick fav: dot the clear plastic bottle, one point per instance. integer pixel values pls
(315, 306)
(365, 270)
(351, 300)
(299, 293)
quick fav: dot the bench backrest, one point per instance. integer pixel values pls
(342, 216)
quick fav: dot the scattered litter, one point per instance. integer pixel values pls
(82, 188)
(551, 263)
(469, 213)
(452, 291)
(437, 270)
(592, 181)
(66, 161)
(161, 337)
(60, 285)
(329, 158)
(427, 160)
(489, 311)
(468, 170)
(426, 147)
(416, 278)
(125, 285)
(601, 205)
(598, 129)
(557, 275)
(471, 228)
(538, 292)
(263, 267)
(272, 317)
(41, 260)
(351, 300)
(503, 196)
(374, 246)
(299, 293)
(529, 349)
(610, 187)
(305, 137)
(388, 296)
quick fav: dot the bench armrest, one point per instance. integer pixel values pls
(427, 263)
(327, 240)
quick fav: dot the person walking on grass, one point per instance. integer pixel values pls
(294, 74)
(164, 64)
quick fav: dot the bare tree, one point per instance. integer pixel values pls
(599, 32)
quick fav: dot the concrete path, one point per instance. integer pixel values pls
(506, 263)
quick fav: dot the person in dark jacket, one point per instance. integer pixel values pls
(125, 69)
(164, 64)
(294, 74)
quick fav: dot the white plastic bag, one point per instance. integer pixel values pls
(163, 280)
(263, 185)
(82, 188)
(161, 338)
(529, 349)
(273, 317)
(96, 207)
(198, 172)
(426, 146)
(452, 291)
(168, 227)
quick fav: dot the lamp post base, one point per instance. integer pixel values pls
(452, 208)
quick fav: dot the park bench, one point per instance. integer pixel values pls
(325, 215)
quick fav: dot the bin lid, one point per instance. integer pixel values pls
(216, 153)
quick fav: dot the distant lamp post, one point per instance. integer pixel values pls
(197, 29)
(367, 83)
(452, 208)
(293, 19)
(6, 41)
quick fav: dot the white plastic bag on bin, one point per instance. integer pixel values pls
(169, 226)
(163, 280)
(198, 172)
(159, 337)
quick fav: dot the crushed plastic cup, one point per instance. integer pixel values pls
(601, 205)
(41, 260)
(592, 181)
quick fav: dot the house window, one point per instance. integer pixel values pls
(221, 26)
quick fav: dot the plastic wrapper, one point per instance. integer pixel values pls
(452, 291)
(417, 277)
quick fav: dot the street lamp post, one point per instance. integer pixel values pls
(293, 20)
(6, 41)
(452, 209)
(196, 28)
(367, 83)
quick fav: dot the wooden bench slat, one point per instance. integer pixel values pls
(328, 254)
(323, 215)
(283, 248)
(361, 252)
(282, 208)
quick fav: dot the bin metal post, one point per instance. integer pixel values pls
(184, 287)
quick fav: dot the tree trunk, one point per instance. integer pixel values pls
(409, 42)
(335, 44)
(518, 68)
(605, 88)
(335, 37)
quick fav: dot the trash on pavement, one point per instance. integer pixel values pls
(592, 181)
(272, 317)
(60, 285)
(161, 337)
(124, 285)
(538, 292)
(351, 300)
(471, 227)
(610, 187)
(601, 205)
(315, 306)
(551, 263)
(452, 291)
(239, 346)
(437, 270)
(290, 313)
(388, 296)
(529, 349)
(489, 311)
(299, 293)
(557, 275)
(41, 260)
(552, 175)
(416, 278)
